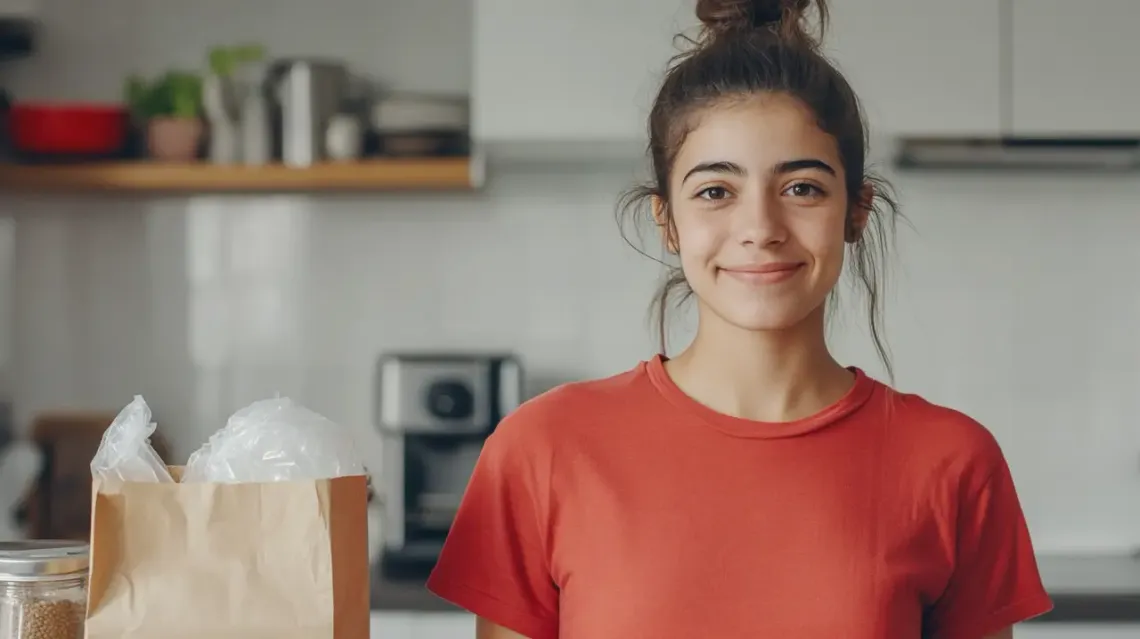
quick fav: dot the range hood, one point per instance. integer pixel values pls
(1068, 154)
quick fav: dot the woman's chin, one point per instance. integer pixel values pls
(765, 319)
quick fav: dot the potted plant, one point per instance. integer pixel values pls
(170, 107)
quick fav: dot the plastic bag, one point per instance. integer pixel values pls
(125, 453)
(267, 441)
(275, 440)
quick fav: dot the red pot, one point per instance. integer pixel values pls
(69, 129)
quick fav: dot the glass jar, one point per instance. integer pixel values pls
(43, 589)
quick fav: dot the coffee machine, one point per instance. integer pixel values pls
(433, 413)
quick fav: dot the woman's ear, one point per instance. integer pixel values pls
(860, 214)
(664, 223)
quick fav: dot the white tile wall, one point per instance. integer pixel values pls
(1015, 296)
(206, 303)
(1014, 299)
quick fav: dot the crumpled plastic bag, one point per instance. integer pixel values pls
(125, 453)
(275, 440)
(268, 441)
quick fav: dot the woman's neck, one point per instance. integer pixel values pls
(771, 376)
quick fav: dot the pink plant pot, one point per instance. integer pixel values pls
(174, 139)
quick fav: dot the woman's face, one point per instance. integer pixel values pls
(760, 211)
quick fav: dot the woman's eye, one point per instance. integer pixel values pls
(803, 189)
(713, 193)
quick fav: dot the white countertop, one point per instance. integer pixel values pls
(1090, 574)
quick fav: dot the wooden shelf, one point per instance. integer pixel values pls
(392, 174)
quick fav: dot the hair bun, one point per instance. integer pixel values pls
(785, 18)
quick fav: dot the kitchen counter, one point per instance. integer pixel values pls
(404, 596)
(1085, 589)
(1091, 574)
(1091, 589)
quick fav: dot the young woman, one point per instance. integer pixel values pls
(751, 486)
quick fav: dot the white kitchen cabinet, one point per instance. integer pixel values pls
(1074, 67)
(586, 71)
(446, 626)
(422, 625)
(922, 67)
(1076, 631)
(392, 625)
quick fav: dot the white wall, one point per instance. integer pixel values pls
(1015, 295)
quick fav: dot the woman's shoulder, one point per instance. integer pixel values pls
(941, 436)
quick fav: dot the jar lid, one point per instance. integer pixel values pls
(31, 560)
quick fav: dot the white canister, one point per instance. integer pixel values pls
(344, 137)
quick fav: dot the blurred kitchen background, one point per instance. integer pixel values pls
(210, 202)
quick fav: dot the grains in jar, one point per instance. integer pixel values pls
(43, 589)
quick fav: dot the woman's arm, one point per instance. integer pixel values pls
(487, 630)
(994, 583)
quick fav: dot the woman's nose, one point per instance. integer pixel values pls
(761, 220)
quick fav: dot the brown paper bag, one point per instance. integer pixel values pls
(285, 560)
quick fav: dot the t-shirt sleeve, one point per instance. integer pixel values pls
(495, 560)
(995, 581)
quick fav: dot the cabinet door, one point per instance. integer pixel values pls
(548, 70)
(1074, 67)
(392, 625)
(587, 70)
(922, 67)
(445, 626)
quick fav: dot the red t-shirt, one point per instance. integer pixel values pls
(623, 508)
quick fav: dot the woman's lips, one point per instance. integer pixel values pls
(770, 273)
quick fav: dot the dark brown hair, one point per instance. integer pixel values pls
(767, 46)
